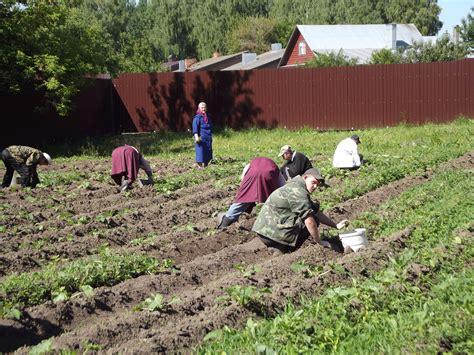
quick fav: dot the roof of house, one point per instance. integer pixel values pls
(356, 41)
(264, 60)
(216, 63)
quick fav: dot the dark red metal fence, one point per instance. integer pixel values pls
(327, 98)
(324, 98)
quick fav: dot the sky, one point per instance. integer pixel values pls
(452, 11)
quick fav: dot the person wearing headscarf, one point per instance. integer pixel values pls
(202, 132)
(259, 179)
(126, 161)
(23, 160)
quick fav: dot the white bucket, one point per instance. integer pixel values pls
(355, 239)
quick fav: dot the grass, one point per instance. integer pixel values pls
(396, 310)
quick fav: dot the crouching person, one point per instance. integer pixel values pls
(126, 161)
(24, 160)
(259, 179)
(289, 216)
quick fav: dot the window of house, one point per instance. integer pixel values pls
(301, 48)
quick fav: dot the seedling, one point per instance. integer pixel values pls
(308, 270)
(155, 303)
(247, 271)
(245, 295)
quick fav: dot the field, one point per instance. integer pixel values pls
(85, 268)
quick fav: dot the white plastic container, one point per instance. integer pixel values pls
(354, 240)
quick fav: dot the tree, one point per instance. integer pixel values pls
(467, 29)
(423, 13)
(386, 56)
(331, 59)
(51, 47)
(254, 34)
(443, 50)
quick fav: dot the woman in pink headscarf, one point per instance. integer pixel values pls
(259, 179)
(202, 132)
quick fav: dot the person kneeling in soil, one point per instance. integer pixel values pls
(296, 163)
(24, 160)
(126, 161)
(347, 155)
(289, 216)
(259, 179)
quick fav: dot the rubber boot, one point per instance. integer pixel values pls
(225, 222)
(124, 185)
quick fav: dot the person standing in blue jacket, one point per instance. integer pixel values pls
(202, 132)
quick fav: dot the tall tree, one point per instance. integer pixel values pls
(467, 29)
(423, 13)
(51, 47)
(254, 34)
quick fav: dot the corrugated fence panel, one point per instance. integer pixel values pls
(323, 98)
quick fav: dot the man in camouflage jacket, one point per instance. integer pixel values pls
(289, 216)
(24, 160)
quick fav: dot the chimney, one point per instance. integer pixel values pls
(276, 47)
(456, 34)
(182, 66)
(394, 36)
(248, 57)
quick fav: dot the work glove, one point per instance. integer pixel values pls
(342, 224)
(325, 244)
(197, 139)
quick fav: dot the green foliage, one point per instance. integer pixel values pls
(386, 56)
(51, 48)
(308, 270)
(254, 34)
(249, 271)
(245, 295)
(331, 59)
(467, 29)
(45, 347)
(398, 308)
(443, 50)
(58, 281)
(155, 303)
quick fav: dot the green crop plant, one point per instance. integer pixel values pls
(421, 299)
(308, 270)
(155, 303)
(245, 295)
(247, 271)
(61, 279)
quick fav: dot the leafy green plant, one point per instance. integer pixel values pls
(245, 295)
(155, 303)
(247, 271)
(59, 280)
(308, 270)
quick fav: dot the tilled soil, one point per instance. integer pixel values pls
(46, 223)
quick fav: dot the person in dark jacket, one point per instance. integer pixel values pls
(24, 160)
(296, 163)
(259, 179)
(126, 161)
(202, 132)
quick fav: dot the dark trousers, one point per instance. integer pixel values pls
(302, 237)
(29, 176)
